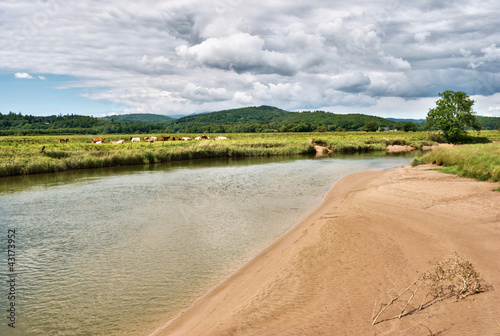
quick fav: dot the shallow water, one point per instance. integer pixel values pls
(117, 251)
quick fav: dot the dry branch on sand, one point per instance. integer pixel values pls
(454, 277)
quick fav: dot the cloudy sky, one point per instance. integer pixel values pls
(389, 58)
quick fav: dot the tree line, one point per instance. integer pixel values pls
(18, 124)
(243, 120)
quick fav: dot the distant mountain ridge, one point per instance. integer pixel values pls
(416, 121)
(140, 117)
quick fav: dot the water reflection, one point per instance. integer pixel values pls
(18, 183)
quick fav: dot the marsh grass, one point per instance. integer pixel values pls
(20, 155)
(479, 161)
(358, 142)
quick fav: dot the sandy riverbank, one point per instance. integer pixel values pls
(371, 237)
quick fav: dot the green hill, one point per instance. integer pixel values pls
(268, 118)
(140, 117)
(234, 116)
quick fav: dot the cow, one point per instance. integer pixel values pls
(135, 139)
(96, 140)
(164, 138)
(197, 138)
(220, 138)
(185, 139)
(120, 141)
(63, 140)
(205, 137)
(145, 139)
(153, 139)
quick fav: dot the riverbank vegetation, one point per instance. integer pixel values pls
(20, 155)
(479, 161)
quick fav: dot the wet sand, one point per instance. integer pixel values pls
(374, 233)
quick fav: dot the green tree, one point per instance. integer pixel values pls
(370, 126)
(409, 127)
(453, 114)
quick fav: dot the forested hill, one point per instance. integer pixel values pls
(140, 117)
(268, 118)
(18, 124)
(490, 123)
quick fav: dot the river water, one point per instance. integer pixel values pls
(118, 251)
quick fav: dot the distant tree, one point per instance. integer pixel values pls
(453, 114)
(409, 127)
(370, 126)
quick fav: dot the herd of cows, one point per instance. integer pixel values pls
(150, 139)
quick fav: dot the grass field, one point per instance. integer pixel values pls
(480, 161)
(21, 155)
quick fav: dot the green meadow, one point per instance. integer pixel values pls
(20, 155)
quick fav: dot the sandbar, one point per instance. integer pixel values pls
(372, 236)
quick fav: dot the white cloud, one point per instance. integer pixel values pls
(23, 75)
(202, 94)
(277, 92)
(421, 37)
(242, 98)
(240, 52)
(491, 53)
(394, 63)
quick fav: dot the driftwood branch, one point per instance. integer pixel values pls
(411, 297)
(453, 277)
(394, 300)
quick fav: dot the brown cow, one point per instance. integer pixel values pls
(145, 138)
(164, 138)
(100, 140)
(63, 140)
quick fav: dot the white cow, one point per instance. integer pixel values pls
(220, 138)
(153, 139)
(135, 139)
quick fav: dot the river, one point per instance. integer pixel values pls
(118, 251)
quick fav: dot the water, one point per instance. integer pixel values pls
(119, 251)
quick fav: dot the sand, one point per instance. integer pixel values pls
(374, 233)
(400, 148)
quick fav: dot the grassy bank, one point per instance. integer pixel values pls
(20, 155)
(480, 161)
(23, 155)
